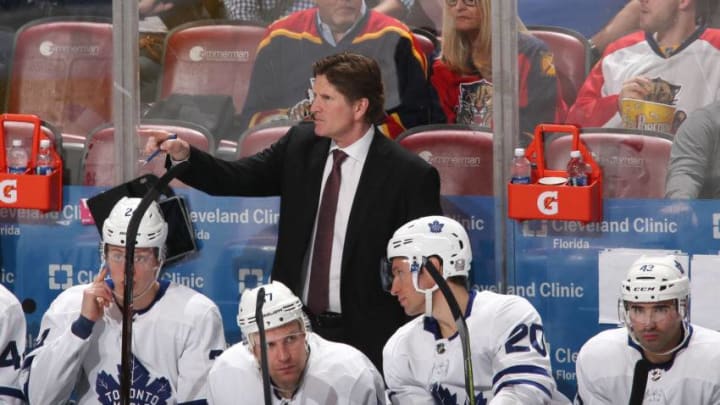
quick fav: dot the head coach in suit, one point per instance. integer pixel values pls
(381, 187)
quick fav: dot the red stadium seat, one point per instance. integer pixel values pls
(24, 131)
(98, 167)
(462, 154)
(634, 163)
(62, 72)
(426, 44)
(571, 52)
(210, 57)
(261, 136)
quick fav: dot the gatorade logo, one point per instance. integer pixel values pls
(8, 191)
(547, 202)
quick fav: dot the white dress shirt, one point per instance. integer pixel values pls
(350, 171)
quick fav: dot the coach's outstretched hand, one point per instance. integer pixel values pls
(176, 148)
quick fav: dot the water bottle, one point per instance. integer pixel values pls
(45, 164)
(521, 169)
(577, 170)
(17, 158)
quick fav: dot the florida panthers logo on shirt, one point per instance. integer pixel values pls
(476, 105)
(144, 390)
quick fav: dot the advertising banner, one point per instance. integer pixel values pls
(568, 270)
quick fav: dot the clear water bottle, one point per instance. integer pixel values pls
(521, 169)
(45, 164)
(577, 170)
(17, 158)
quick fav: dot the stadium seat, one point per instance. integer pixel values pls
(424, 40)
(571, 52)
(61, 71)
(462, 154)
(261, 136)
(98, 168)
(634, 163)
(210, 57)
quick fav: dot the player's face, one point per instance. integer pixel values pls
(467, 17)
(144, 270)
(335, 116)
(287, 354)
(340, 15)
(657, 326)
(658, 15)
(412, 301)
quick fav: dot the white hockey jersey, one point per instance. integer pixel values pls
(336, 374)
(12, 346)
(691, 74)
(175, 342)
(606, 364)
(508, 351)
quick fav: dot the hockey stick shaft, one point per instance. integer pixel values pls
(259, 319)
(126, 366)
(461, 327)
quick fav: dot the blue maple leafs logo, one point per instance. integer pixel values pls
(443, 396)
(436, 226)
(144, 391)
(414, 267)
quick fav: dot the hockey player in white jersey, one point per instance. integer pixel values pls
(423, 361)
(682, 361)
(12, 346)
(304, 368)
(177, 332)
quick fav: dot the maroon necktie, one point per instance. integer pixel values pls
(320, 269)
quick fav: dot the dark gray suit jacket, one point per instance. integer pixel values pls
(395, 186)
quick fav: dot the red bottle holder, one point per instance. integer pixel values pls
(559, 202)
(29, 190)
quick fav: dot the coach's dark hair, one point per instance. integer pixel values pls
(355, 76)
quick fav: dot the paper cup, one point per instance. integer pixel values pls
(552, 181)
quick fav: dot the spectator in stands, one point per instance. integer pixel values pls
(382, 186)
(283, 67)
(627, 20)
(673, 62)
(463, 74)
(267, 11)
(694, 170)
(12, 346)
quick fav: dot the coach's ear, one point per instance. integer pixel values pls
(360, 108)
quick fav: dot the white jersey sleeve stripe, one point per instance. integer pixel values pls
(521, 369)
(525, 382)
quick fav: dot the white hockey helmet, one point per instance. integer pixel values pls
(281, 307)
(655, 278)
(433, 236)
(152, 232)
